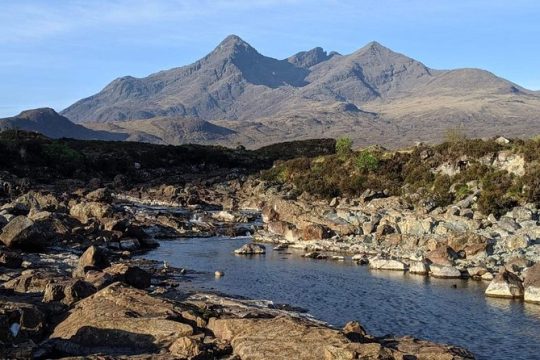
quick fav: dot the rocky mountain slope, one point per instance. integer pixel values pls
(373, 95)
(49, 123)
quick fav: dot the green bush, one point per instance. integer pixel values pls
(366, 161)
(343, 146)
(63, 158)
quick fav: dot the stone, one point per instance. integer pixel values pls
(98, 279)
(315, 255)
(269, 214)
(94, 258)
(442, 255)
(276, 338)
(487, 276)
(384, 229)
(100, 195)
(22, 232)
(418, 267)
(130, 244)
(68, 292)
(505, 285)
(251, 249)
(476, 271)
(131, 275)
(532, 284)
(119, 320)
(10, 260)
(387, 264)
(407, 347)
(84, 211)
(516, 242)
(445, 272)
(31, 281)
(315, 232)
(186, 348)
(20, 321)
(354, 331)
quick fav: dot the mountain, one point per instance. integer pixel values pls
(174, 131)
(371, 95)
(49, 123)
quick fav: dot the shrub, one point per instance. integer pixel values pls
(531, 184)
(441, 190)
(495, 198)
(343, 146)
(63, 158)
(366, 161)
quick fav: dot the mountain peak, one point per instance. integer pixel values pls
(309, 58)
(234, 42)
(375, 47)
(39, 113)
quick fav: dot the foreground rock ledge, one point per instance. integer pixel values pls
(120, 320)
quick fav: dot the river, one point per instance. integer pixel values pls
(384, 302)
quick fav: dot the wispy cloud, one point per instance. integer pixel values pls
(26, 20)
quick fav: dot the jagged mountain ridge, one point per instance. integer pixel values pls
(373, 93)
(234, 81)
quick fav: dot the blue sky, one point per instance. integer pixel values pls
(55, 52)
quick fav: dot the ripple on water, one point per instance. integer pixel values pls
(383, 301)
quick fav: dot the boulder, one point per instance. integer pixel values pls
(10, 260)
(516, 242)
(186, 348)
(100, 195)
(119, 320)
(130, 244)
(315, 232)
(251, 249)
(445, 272)
(387, 264)
(532, 284)
(276, 338)
(476, 271)
(418, 267)
(84, 211)
(68, 292)
(32, 281)
(315, 255)
(94, 258)
(21, 232)
(98, 279)
(410, 348)
(131, 275)
(442, 255)
(20, 321)
(505, 285)
(269, 214)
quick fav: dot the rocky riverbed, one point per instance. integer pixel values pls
(70, 286)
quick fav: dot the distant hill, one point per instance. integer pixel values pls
(51, 124)
(371, 95)
(164, 130)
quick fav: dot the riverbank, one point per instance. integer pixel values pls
(70, 287)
